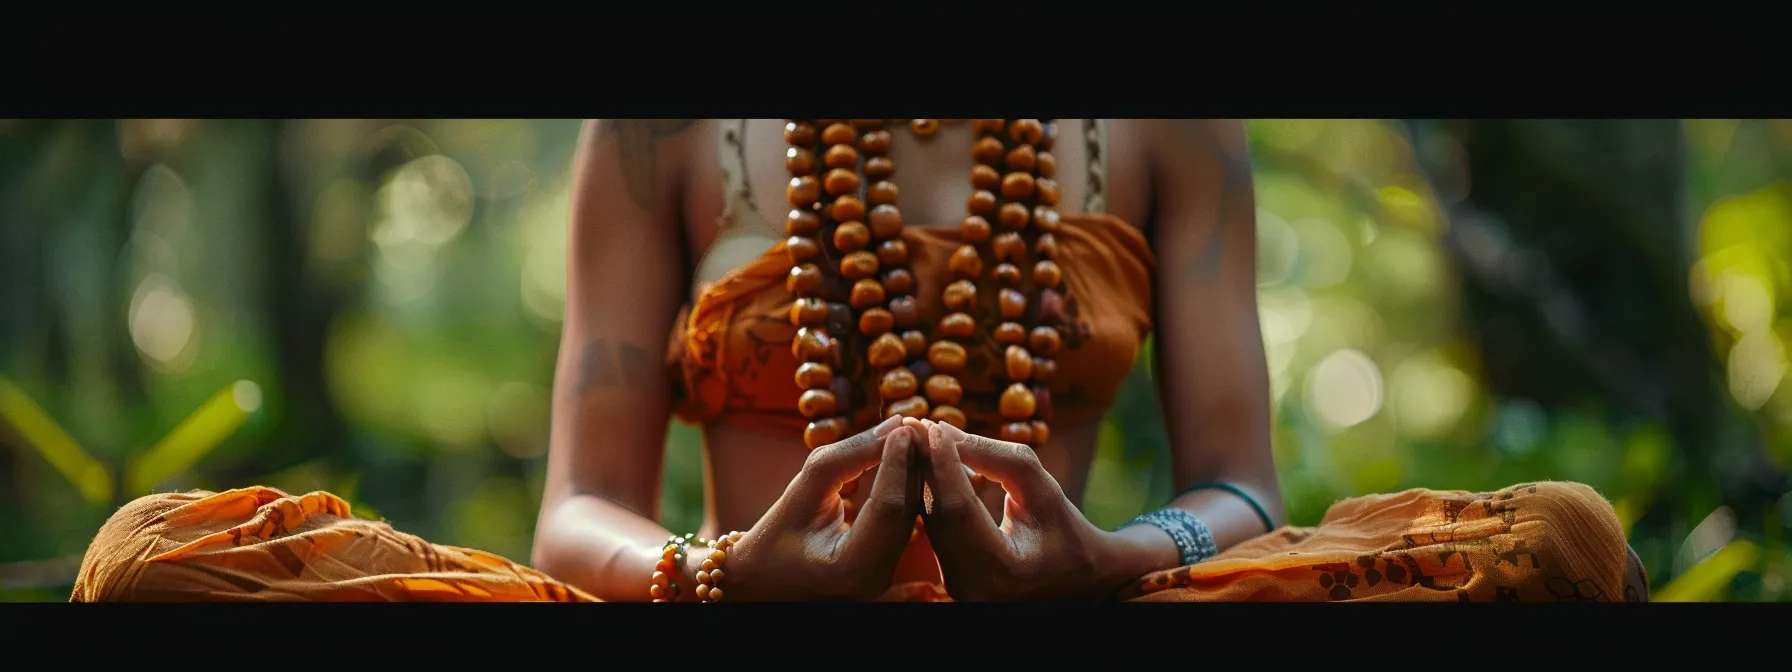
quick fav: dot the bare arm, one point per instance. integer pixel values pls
(597, 526)
(1212, 373)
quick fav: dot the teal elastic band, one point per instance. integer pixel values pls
(1268, 525)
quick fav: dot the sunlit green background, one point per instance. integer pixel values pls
(372, 307)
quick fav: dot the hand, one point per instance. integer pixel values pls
(1044, 548)
(804, 550)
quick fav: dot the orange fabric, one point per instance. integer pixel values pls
(1534, 542)
(731, 361)
(260, 544)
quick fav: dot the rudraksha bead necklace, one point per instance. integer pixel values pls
(848, 257)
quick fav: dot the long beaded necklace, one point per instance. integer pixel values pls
(845, 243)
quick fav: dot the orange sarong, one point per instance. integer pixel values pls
(1533, 542)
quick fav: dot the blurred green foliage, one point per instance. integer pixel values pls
(371, 307)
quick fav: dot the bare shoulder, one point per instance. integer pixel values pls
(652, 155)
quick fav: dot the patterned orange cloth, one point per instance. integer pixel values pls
(1535, 542)
(260, 544)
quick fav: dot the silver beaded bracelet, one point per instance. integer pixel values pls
(1194, 542)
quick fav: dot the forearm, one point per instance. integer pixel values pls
(606, 550)
(1142, 548)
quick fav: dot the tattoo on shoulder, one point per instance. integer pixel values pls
(602, 365)
(1206, 137)
(638, 144)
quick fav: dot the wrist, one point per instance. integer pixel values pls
(1135, 551)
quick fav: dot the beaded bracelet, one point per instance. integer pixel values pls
(1194, 542)
(709, 574)
(665, 572)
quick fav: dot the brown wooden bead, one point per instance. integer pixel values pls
(1047, 273)
(1048, 190)
(803, 191)
(886, 351)
(898, 383)
(799, 161)
(915, 342)
(982, 202)
(848, 209)
(898, 281)
(907, 314)
(985, 177)
(876, 321)
(974, 229)
(1008, 247)
(924, 127)
(1046, 246)
(1006, 274)
(1042, 403)
(816, 403)
(1016, 432)
(858, 266)
(663, 565)
(987, 126)
(839, 134)
(810, 344)
(808, 312)
(1049, 138)
(876, 143)
(946, 356)
(1047, 164)
(802, 222)
(881, 193)
(840, 181)
(1016, 186)
(703, 590)
(1042, 433)
(913, 407)
(1044, 340)
(842, 157)
(867, 293)
(804, 280)
(851, 236)
(958, 325)
(1017, 402)
(799, 133)
(824, 432)
(840, 319)
(658, 592)
(1010, 333)
(1046, 218)
(988, 151)
(1019, 363)
(1022, 159)
(966, 262)
(1013, 216)
(879, 167)
(944, 390)
(886, 221)
(1024, 131)
(1012, 303)
(960, 295)
(801, 249)
(892, 252)
(949, 415)
(847, 391)
(1044, 369)
(1051, 307)
(811, 375)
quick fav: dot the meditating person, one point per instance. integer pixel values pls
(900, 391)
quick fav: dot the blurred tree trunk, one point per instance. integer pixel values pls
(308, 424)
(1575, 253)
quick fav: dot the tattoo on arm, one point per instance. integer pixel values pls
(1202, 137)
(638, 144)
(601, 366)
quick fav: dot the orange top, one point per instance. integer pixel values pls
(731, 361)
